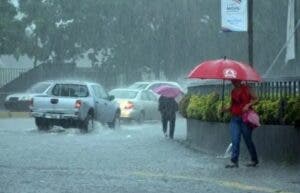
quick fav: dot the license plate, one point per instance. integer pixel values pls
(54, 116)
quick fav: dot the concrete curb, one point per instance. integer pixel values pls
(7, 114)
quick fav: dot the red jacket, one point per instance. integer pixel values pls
(239, 98)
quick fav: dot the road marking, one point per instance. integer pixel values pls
(229, 184)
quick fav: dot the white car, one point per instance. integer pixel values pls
(135, 104)
(21, 101)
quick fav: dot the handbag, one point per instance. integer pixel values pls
(251, 118)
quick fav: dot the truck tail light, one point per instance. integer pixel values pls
(129, 105)
(78, 104)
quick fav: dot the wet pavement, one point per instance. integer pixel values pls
(131, 158)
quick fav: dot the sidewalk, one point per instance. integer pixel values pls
(269, 176)
(8, 114)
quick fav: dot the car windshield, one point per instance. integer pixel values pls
(39, 88)
(139, 86)
(70, 90)
(124, 94)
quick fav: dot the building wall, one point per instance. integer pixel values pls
(269, 27)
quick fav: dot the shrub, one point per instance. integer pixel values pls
(210, 112)
(195, 107)
(183, 104)
(224, 117)
(207, 107)
(271, 111)
(292, 111)
(268, 111)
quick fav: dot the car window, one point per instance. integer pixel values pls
(152, 96)
(124, 94)
(138, 86)
(70, 90)
(156, 85)
(144, 96)
(99, 92)
(39, 88)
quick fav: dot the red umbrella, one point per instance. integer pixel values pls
(225, 69)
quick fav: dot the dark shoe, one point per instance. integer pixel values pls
(166, 135)
(232, 165)
(252, 164)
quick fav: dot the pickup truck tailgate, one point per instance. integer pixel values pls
(54, 104)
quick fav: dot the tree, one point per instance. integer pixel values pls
(51, 34)
(11, 33)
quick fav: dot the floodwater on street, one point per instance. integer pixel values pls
(131, 158)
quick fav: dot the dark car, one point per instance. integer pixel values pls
(21, 101)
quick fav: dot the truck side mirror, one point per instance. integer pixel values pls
(111, 97)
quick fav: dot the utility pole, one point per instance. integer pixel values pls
(250, 32)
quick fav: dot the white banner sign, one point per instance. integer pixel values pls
(234, 15)
(290, 34)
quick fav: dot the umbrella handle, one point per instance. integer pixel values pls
(222, 101)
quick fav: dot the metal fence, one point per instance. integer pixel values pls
(8, 74)
(281, 87)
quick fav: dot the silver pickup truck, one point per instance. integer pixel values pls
(74, 104)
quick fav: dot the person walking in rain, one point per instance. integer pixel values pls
(242, 99)
(168, 107)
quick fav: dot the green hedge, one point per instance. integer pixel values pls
(271, 111)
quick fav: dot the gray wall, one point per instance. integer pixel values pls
(278, 143)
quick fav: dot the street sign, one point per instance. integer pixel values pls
(234, 15)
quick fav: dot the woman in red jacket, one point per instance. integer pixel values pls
(242, 99)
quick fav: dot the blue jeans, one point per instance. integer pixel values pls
(238, 128)
(171, 120)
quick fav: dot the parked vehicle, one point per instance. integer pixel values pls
(21, 101)
(74, 104)
(154, 84)
(138, 105)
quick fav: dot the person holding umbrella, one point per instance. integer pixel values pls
(168, 107)
(242, 99)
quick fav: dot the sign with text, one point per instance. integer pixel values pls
(234, 15)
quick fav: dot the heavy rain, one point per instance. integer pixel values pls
(149, 96)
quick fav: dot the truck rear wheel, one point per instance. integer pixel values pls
(42, 124)
(87, 124)
(115, 121)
